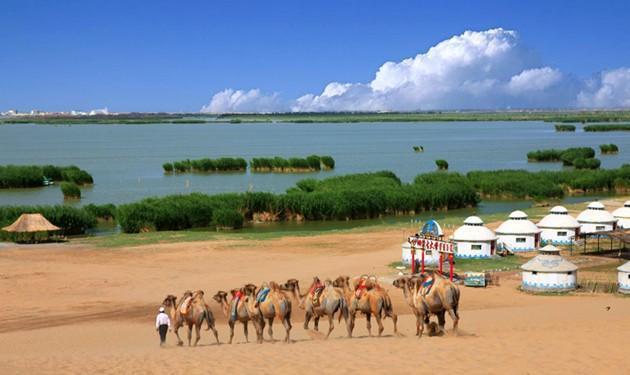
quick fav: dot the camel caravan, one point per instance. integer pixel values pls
(428, 294)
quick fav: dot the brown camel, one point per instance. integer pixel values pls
(196, 313)
(443, 297)
(404, 283)
(275, 305)
(330, 301)
(242, 314)
(368, 297)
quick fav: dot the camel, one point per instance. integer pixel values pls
(242, 314)
(443, 297)
(198, 311)
(331, 301)
(368, 297)
(275, 305)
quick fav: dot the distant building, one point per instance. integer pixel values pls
(622, 214)
(558, 227)
(474, 240)
(518, 233)
(549, 272)
(596, 219)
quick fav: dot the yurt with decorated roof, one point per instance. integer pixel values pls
(623, 277)
(596, 219)
(474, 239)
(622, 214)
(558, 227)
(431, 256)
(518, 233)
(549, 272)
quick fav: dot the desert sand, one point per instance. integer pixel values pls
(70, 308)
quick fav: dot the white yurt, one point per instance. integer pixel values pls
(623, 278)
(596, 219)
(622, 214)
(431, 257)
(549, 272)
(558, 227)
(518, 233)
(474, 240)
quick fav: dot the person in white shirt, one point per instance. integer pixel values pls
(162, 325)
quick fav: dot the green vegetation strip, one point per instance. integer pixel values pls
(607, 127)
(339, 117)
(22, 176)
(578, 157)
(565, 128)
(311, 163)
(206, 165)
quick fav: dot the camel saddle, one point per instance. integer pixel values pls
(186, 305)
(317, 293)
(426, 286)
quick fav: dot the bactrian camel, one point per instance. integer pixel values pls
(242, 313)
(330, 301)
(196, 312)
(442, 297)
(368, 297)
(275, 305)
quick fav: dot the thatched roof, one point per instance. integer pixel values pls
(31, 223)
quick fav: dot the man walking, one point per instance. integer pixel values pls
(162, 325)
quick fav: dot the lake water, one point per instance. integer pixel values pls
(126, 160)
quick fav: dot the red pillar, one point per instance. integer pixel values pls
(441, 264)
(450, 265)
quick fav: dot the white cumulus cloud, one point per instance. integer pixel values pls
(474, 70)
(610, 90)
(240, 101)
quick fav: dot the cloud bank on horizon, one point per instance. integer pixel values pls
(475, 70)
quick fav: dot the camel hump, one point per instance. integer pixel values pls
(274, 286)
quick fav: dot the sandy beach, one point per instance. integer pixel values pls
(70, 308)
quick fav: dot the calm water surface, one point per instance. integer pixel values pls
(126, 160)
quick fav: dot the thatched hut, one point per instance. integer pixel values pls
(31, 228)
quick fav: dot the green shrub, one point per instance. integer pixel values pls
(441, 164)
(314, 162)
(570, 154)
(609, 148)
(103, 211)
(70, 190)
(168, 167)
(545, 155)
(21, 176)
(418, 148)
(591, 163)
(565, 128)
(225, 218)
(607, 127)
(328, 162)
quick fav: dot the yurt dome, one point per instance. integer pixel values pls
(518, 233)
(622, 214)
(559, 218)
(518, 223)
(623, 276)
(548, 271)
(473, 230)
(596, 219)
(595, 213)
(474, 240)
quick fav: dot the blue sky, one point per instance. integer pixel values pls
(174, 56)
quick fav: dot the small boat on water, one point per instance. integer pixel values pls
(47, 181)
